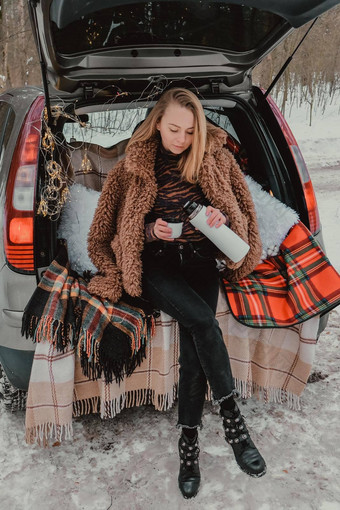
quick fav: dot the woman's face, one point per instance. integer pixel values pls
(176, 128)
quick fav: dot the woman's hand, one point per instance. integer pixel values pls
(216, 218)
(162, 231)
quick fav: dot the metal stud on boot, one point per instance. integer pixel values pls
(236, 434)
(189, 472)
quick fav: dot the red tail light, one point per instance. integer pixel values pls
(20, 192)
(312, 206)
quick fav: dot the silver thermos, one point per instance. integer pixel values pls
(223, 237)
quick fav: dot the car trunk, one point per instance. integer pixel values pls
(92, 139)
(99, 56)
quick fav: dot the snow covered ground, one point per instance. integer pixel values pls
(130, 463)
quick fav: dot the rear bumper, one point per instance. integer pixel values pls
(15, 292)
(16, 352)
(17, 365)
(322, 323)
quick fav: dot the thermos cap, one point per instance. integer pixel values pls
(189, 207)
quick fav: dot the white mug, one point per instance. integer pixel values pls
(176, 227)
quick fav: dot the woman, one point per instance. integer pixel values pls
(173, 157)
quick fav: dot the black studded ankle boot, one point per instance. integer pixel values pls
(189, 472)
(236, 434)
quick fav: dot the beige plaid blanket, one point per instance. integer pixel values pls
(271, 364)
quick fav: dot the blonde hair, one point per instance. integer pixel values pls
(190, 162)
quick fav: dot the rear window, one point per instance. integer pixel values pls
(105, 128)
(197, 23)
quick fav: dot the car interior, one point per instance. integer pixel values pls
(91, 149)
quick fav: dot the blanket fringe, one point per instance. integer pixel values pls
(86, 406)
(135, 398)
(165, 401)
(248, 389)
(140, 397)
(47, 329)
(111, 369)
(120, 362)
(44, 433)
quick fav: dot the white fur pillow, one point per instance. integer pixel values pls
(75, 223)
(274, 218)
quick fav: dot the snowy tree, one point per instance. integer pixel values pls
(18, 57)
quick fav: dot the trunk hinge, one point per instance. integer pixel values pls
(288, 61)
(32, 4)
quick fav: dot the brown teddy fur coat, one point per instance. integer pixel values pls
(116, 237)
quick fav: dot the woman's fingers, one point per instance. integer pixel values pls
(162, 231)
(219, 222)
(216, 218)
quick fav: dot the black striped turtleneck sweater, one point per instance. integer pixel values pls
(173, 193)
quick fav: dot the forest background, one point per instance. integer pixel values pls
(312, 77)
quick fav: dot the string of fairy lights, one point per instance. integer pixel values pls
(58, 172)
(55, 190)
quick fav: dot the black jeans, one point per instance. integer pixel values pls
(183, 281)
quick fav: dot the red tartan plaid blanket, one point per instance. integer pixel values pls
(287, 289)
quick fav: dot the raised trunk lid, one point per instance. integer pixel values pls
(104, 42)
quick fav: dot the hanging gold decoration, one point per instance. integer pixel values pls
(53, 194)
(55, 191)
(85, 166)
(48, 141)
